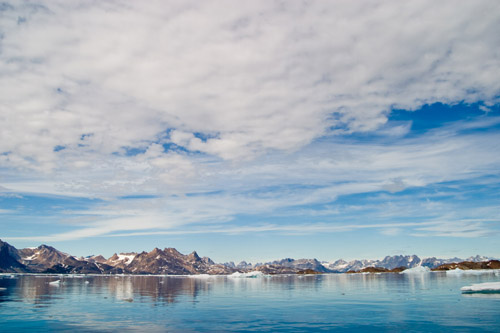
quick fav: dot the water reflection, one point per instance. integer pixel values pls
(40, 290)
(482, 295)
(168, 289)
(158, 303)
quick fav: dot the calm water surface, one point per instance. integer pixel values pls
(387, 302)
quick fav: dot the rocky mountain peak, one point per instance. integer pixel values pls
(193, 256)
(99, 258)
(172, 251)
(156, 251)
(208, 261)
(9, 259)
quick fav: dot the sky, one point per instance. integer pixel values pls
(252, 130)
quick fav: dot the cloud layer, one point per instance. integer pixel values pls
(215, 110)
(98, 77)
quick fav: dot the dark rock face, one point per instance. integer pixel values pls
(9, 259)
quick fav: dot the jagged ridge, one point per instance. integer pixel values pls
(169, 261)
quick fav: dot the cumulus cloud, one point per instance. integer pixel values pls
(268, 75)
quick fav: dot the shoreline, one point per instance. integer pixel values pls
(455, 271)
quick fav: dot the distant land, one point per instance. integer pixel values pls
(169, 261)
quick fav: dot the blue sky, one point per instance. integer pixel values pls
(253, 132)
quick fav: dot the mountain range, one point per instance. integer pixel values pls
(46, 259)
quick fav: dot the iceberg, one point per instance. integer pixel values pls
(254, 274)
(416, 270)
(2, 289)
(487, 287)
(55, 283)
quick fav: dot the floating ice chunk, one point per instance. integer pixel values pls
(55, 283)
(2, 289)
(416, 270)
(456, 271)
(482, 287)
(87, 282)
(254, 274)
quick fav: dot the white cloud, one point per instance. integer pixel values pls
(252, 96)
(463, 229)
(267, 75)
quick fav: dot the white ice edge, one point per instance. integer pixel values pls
(458, 271)
(254, 274)
(488, 286)
(201, 276)
(416, 270)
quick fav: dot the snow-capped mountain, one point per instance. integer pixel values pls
(301, 264)
(391, 262)
(42, 257)
(171, 261)
(46, 259)
(121, 260)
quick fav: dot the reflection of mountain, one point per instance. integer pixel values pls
(38, 290)
(31, 289)
(160, 289)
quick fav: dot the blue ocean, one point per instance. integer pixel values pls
(430, 302)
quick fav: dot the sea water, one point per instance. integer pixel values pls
(425, 302)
